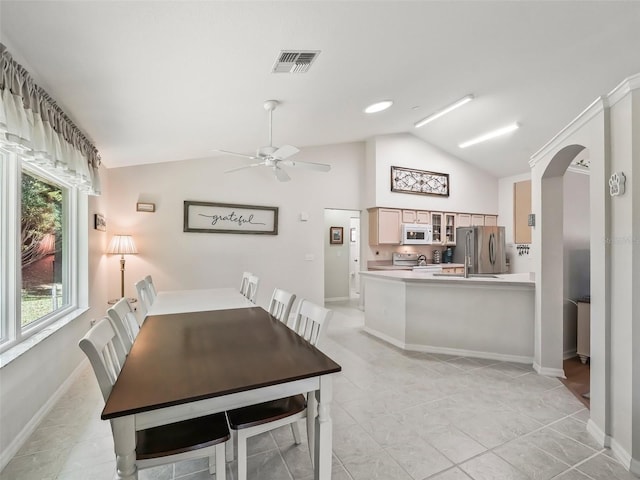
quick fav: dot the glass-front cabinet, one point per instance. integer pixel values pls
(436, 224)
(450, 228)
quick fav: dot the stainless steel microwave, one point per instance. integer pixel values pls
(417, 234)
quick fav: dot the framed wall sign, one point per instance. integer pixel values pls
(335, 235)
(145, 207)
(207, 217)
(99, 222)
(407, 180)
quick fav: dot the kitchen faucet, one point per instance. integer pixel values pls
(467, 253)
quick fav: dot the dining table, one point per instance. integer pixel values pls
(188, 364)
(198, 300)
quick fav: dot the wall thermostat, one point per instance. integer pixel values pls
(531, 220)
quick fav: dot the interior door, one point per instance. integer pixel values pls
(354, 257)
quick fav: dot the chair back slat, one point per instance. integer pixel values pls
(105, 352)
(144, 297)
(311, 321)
(153, 293)
(124, 322)
(280, 305)
(244, 283)
(252, 288)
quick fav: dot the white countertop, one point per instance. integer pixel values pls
(518, 279)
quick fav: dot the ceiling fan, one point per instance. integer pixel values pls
(276, 157)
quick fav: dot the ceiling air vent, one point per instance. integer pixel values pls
(295, 61)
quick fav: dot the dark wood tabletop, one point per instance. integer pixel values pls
(185, 357)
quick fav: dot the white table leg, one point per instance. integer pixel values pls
(323, 430)
(124, 439)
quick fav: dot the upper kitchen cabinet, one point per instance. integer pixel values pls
(491, 220)
(477, 220)
(436, 224)
(450, 228)
(384, 226)
(521, 211)
(415, 216)
(464, 220)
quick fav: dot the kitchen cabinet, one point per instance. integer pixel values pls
(477, 220)
(450, 228)
(464, 220)
(415, 216)
(521, 211)
(491, 220)
(452, 269)
(384, 226)
(436, 223)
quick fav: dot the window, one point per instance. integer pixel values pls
(39, 231)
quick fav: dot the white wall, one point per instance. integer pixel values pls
(336, 256)
(179, 260)
(517, 263)
(33, 382)
(471, 189)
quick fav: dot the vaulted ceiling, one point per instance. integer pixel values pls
(160, 81)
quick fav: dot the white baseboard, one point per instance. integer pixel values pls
(622, 455)
(336, 299)
(569, 354)
(548, 372)
(598, 435)
(634, 467)
(449, 351)
(30, 427)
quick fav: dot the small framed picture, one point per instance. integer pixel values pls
(99, 222)
(335, 235)
(146, 207)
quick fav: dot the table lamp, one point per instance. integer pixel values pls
(122, 245)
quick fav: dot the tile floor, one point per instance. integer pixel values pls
(397, 416)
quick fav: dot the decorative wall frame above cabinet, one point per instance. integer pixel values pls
(422, 182)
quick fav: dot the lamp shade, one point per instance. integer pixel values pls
(122, 244)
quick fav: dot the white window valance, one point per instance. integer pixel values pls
(32, 124)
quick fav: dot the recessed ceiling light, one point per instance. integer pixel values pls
(378, 106)
(444, 111)
(490, 135)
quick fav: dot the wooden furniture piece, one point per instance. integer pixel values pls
(124, 322)
(310, 323)
(151, 287)
(194, 364)
(521, 211)
(161, 444)
(199, 300)
(144, 297)
(252, 288)
(280, 304)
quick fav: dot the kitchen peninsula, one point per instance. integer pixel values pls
(486, 317)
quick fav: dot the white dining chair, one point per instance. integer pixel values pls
(124, 322)
(280, 304)
(153, 292)
(252, 288)
(189, 439)
(244, 283)
(310, 322)
(144, 297)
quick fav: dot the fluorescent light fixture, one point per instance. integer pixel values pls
(378, 106)
(490, 135)
(444, 111)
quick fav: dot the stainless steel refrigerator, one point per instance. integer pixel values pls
(484, 245)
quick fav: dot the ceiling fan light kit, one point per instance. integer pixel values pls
(275, 157)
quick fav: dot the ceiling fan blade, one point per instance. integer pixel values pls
(244, 166)
(320, 167)
(285, 151)
(236, 154)
(281, 174)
